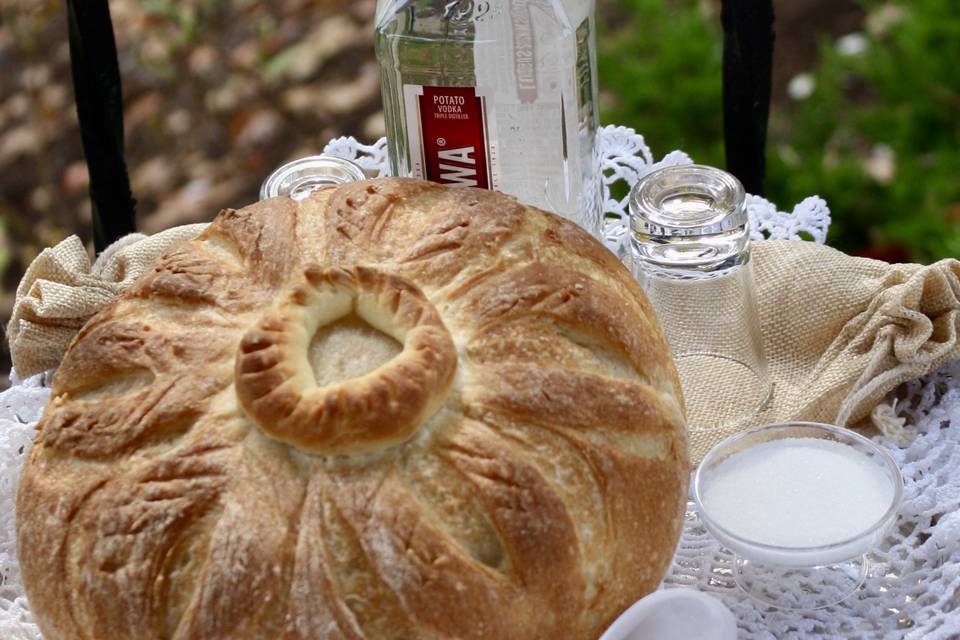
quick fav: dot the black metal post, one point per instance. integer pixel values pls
(747, 70)
(96, 84)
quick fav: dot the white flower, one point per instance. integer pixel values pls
(881, 165)
(789, 155)
(883, 19)
(852, 44)
(801, 86)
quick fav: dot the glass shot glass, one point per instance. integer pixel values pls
(690, 250)
(301, 177)
(801, 505)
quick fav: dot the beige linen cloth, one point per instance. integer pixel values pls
(840, 333)
(61, 290)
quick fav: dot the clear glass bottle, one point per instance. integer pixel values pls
(499, 94)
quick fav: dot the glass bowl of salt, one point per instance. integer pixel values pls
(800, 504)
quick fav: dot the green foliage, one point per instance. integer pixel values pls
(660, 73)
(900, 98)
(894, 106)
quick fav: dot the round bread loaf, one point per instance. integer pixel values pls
(392, 410)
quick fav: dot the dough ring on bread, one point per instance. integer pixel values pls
(277, 388)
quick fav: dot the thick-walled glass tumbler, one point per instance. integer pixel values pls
(690, 249)
(299, 178)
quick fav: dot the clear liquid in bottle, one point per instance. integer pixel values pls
(495, 94)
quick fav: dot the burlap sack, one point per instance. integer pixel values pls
(839, 332)
(61, 290)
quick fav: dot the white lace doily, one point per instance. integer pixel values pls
(913, 586)
(624, 159)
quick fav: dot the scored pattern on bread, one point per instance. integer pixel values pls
(516, 471)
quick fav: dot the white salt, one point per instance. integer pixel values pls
(797, 492)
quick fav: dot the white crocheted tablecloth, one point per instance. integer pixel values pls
(913, 586)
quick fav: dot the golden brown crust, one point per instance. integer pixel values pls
(517, 472)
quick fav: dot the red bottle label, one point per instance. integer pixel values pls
(449, 136)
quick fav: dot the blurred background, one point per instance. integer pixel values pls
(865, 113)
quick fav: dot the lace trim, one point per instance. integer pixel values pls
(624, 159)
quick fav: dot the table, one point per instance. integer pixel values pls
(913, 586)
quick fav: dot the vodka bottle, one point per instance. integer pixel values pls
(498, 94)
